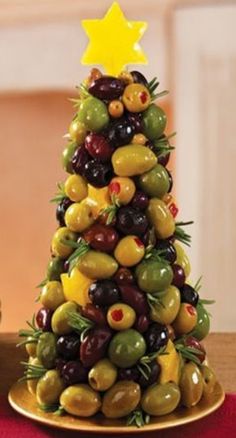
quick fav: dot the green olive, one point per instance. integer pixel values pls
(67, 155)
(134, 159)
(126, 348)
(161, 218)
(60, 323)
(80, 400)
(52, 295)
(191, 385)
(97, 265)
(209, 380)
(46, 349)
(93, 113)
(49, 388)
(31, 346)
(154, 276)
(202, 327)
(155, 182)
(59, 247)
(121, 399)
(154, 122)
(79, 217)
(103, 375)
(32, 383)
(167, 309)
(161, 399)
(55, 268)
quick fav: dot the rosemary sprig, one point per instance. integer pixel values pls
(181, 234)
(198, 285)
(79, 323)
(32, 372)
(33, 334)
(60, 195)
(158, 255)
(144, 363)
(189, 353)
(154, 300)
(158, 95)
(138, 418)
(111, 210)
(81, 248)
(163, 146)
(152, 86)
(42, 283)
(206, 302)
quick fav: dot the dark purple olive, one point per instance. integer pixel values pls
(66, 265)
(94, 346)
(120, 133)
(140, 201)
(79, 159)
(164, 159)
(178, 276)
(135, 298)
(139, 78)
(104, 293)
(129, 374)
(153, 375)
(68, 346)
(135, 120)
(43, 319)
(124, 276)
(107, 88)
(156, 337)
(142, 323)
(98, 174)
(131, 221)
(61, 209)
(59, 363)
(170, 180)
(189, 295)
(149, 238)
(94, 314)
(169, 251)
(74, 372)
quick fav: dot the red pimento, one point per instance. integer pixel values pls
(143, 96)
(114, 188)
(117, 315)
(138, 242)
(191, 310)
(173, 209)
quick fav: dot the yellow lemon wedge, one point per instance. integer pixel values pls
(170, 365)
(98, 199)
(76, 287)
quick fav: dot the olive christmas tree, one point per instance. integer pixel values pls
(119, 326)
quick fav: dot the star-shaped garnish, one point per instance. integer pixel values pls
(114, 41)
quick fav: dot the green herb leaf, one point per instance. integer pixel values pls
(79, 323)
(155, 300)
(198, 285)
(32, 372)
(60, 195)
(42, 284)
(111, 210)
(138, 418)
(180, 234)
(189, 353)
(81, 248)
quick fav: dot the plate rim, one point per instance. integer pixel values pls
(107, 429)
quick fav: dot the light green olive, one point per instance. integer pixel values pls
(52, 295)
(209, 380)
(155, 182)
(161, 218)
(97, 265)
(161, 399)
(55, 268)
(133, 160)
(46, 349)
(121, 399)
(103, 375)
(80, 400)
(31, 346)
(32, 383)
(93, 113)
(154, 122)
(67, 155)
(49, 388)
(166, 310)
(191, 385)
(60, 323)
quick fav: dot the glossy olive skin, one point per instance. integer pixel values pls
(97, 265)
(156, 336)
(60, 323)
(126, 348)
(182, 259)
(101, 237)
(67, 155)
(154, 122)
(31, 347)
(80, 400)
(136, 98)
(49, 388)
(161, 399)
(93, 113)
(133, 160)
(155, 183)
(121, 399)
(202, 327)
(103, 375)
(191, 385)
(47, 350)
(52, 295)
(55, 268)
(120, 316)
(209, 380)
(161, 218)
(133, 296)
(153, 276)
(186, 319)
(78, 217)
(94, 346)
(59, 248)
(107, 88)
(135, 253)
(76, 188)
(166, 312)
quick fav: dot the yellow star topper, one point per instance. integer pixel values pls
(114, 41)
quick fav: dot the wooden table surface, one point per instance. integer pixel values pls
(221, 350)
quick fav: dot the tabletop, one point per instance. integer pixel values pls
(221, 351)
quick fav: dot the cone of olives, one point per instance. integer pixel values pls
(119, 326)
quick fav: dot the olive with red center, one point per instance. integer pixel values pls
(98, 174)
(104, 293)
(98, 147)
(186, 319)
(129, 251)
(74, 372)
(136, 98)
(122, 188)
(126, 348)
(120, 316)
(131, 221)
(101, 237)
(68, 346)
(156, 337)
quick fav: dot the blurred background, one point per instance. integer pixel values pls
(191, 46)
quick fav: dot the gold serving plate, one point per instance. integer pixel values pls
(24, 403)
